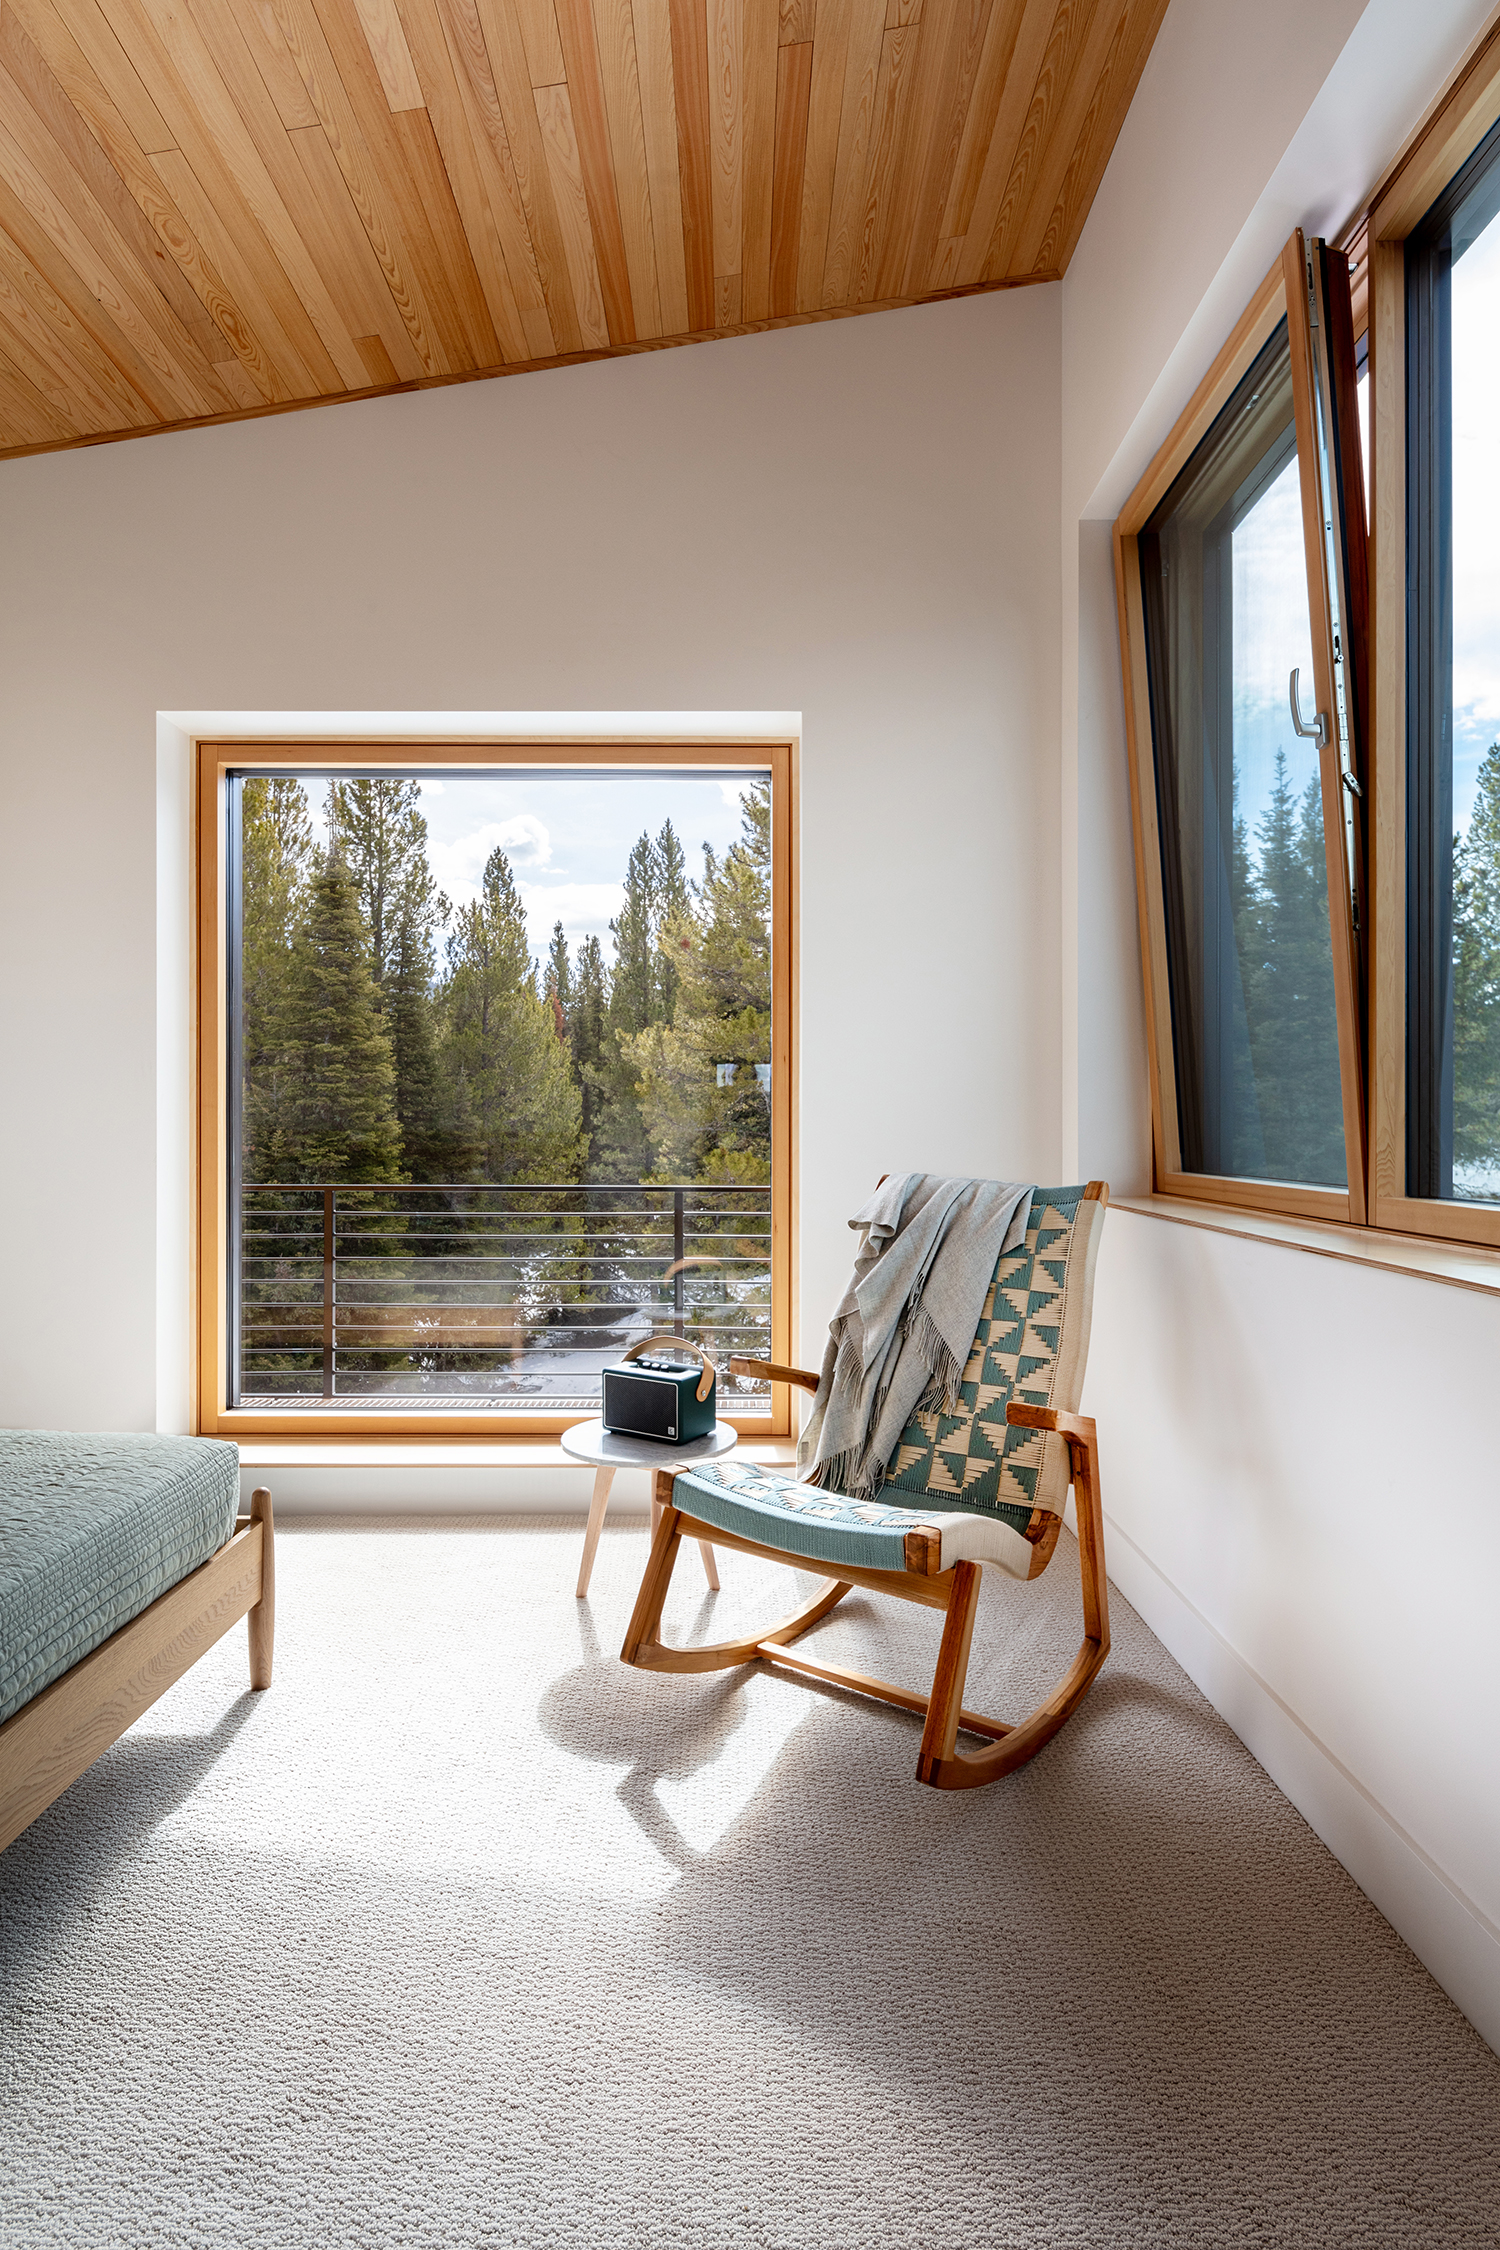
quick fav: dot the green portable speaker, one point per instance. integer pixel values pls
(653, 1394)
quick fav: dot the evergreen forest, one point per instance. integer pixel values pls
(389, 1036)
(1286, 1118)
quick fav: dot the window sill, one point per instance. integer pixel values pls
(1461, 1265)
(540, 1453)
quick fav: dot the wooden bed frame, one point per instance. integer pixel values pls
(54, 1738)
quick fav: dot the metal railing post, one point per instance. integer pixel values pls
(679, 1278)
(328, 1300)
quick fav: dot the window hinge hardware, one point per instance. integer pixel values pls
(1351, 785)
(1318, 732)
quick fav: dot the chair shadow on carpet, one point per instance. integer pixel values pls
(594, 1712)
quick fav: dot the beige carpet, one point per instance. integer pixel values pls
(465, 1935)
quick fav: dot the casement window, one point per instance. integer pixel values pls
(467, 1130)
(1434, 236)
(1309, 592)
(1242, 599)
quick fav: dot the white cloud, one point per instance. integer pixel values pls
(432, 789)
(459, 866)
(584, 909)
(733, 793)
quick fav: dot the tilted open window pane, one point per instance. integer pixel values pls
(1453, 691)
(501, 1096)
(1239, 800)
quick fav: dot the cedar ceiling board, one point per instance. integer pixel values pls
(620, 84)
(968, 26)
(74, 241)
(690, 78)
(399, 156)
(900, 55)
(1075, 56)
(466, 173)
(103, 331)
(793, 92)
(994, 146)
(852, 165)
(25, 416)
(469, 59)
(824, 110)
(179, 73)
(653, 48)
(142, 182)
(761, 27)
(585, 90)
(521, 121)
(1069, 29)
(217, 207)
(29, 67)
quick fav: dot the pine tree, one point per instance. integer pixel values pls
(325, 1108)
(276, 857)
(1291, 1016)
(1476, 987)
(377, 827)
(720, 947)
(588, 1024)
(501, 1055)
(559, 985)
(642, 994)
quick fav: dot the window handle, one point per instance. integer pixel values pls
(1318, 731)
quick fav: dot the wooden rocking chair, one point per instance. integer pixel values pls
(986, 1484)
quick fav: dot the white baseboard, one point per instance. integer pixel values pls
(322, 1486)
(1449, 1934)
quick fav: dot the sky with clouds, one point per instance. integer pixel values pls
(1270, 584)
(567, 835)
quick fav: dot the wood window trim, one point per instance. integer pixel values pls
(214, 759)
(1250, 334)
(1374, 242)
(1465, 113)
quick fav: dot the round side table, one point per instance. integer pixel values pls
(606, 1451)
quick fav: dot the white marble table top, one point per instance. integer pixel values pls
(609, 1449)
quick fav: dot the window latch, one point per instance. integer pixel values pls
(1351, 784)
(1318, 731)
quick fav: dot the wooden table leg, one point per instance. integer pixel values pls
(603, 1479)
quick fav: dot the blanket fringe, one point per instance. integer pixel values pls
(941, 1389)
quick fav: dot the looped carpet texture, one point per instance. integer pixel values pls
(464, 1935)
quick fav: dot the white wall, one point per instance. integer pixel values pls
(838, 520)
(1297, 1469)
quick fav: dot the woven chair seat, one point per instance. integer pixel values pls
(769, 1506)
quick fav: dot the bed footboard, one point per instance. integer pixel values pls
(54, 1738)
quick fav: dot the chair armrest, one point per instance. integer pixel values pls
(772, 1373)
(1081, 1427)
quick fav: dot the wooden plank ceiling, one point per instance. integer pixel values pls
(214, 207)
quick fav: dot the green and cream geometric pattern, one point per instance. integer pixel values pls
(971, 1459)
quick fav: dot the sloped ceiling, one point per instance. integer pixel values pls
(217, 207)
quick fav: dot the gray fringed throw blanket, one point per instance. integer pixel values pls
(901, 1337)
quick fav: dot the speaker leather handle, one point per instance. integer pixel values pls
(710, 1373)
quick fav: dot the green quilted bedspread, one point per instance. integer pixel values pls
(92, 1529)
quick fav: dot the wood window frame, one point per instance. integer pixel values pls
(215, 760)
(1281, 296)
(1464, 115)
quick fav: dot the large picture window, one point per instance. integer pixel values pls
(501, 1064)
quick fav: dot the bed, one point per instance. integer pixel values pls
(122, 1559)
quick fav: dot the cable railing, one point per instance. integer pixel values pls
(374, 1295)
